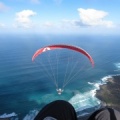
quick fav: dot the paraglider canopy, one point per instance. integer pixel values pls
(60, 46)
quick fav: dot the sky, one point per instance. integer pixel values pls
(60, 16)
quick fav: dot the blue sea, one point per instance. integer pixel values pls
(26, 86)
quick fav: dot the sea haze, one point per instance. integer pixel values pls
(27, 85)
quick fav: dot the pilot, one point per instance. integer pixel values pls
(59, 91)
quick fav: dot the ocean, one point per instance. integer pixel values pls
(26, 86)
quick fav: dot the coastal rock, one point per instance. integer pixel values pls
(110, 92)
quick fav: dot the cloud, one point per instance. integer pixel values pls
(92, 17)
(23, 18)
(89, 18)
(3, 7)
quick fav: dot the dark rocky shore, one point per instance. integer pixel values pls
(110, 93)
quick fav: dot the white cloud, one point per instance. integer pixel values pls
(89, 18)
(3, 7)
(23, 18)
(92, 17)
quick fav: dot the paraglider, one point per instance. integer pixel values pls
(59, 91)
(62, 46)
(59, 46)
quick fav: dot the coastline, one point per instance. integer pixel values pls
(110, 93)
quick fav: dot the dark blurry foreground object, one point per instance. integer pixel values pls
(63, 110)
(57, 110)
(105, 114)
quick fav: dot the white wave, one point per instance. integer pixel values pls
(85, 100)
(117, 65)
(83, 115)
(105, 79)
(90, 83)
(31, 115)
(8, 115)
(95, 85)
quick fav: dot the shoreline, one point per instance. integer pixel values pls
(109, 93)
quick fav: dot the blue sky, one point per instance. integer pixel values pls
(60, 16)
